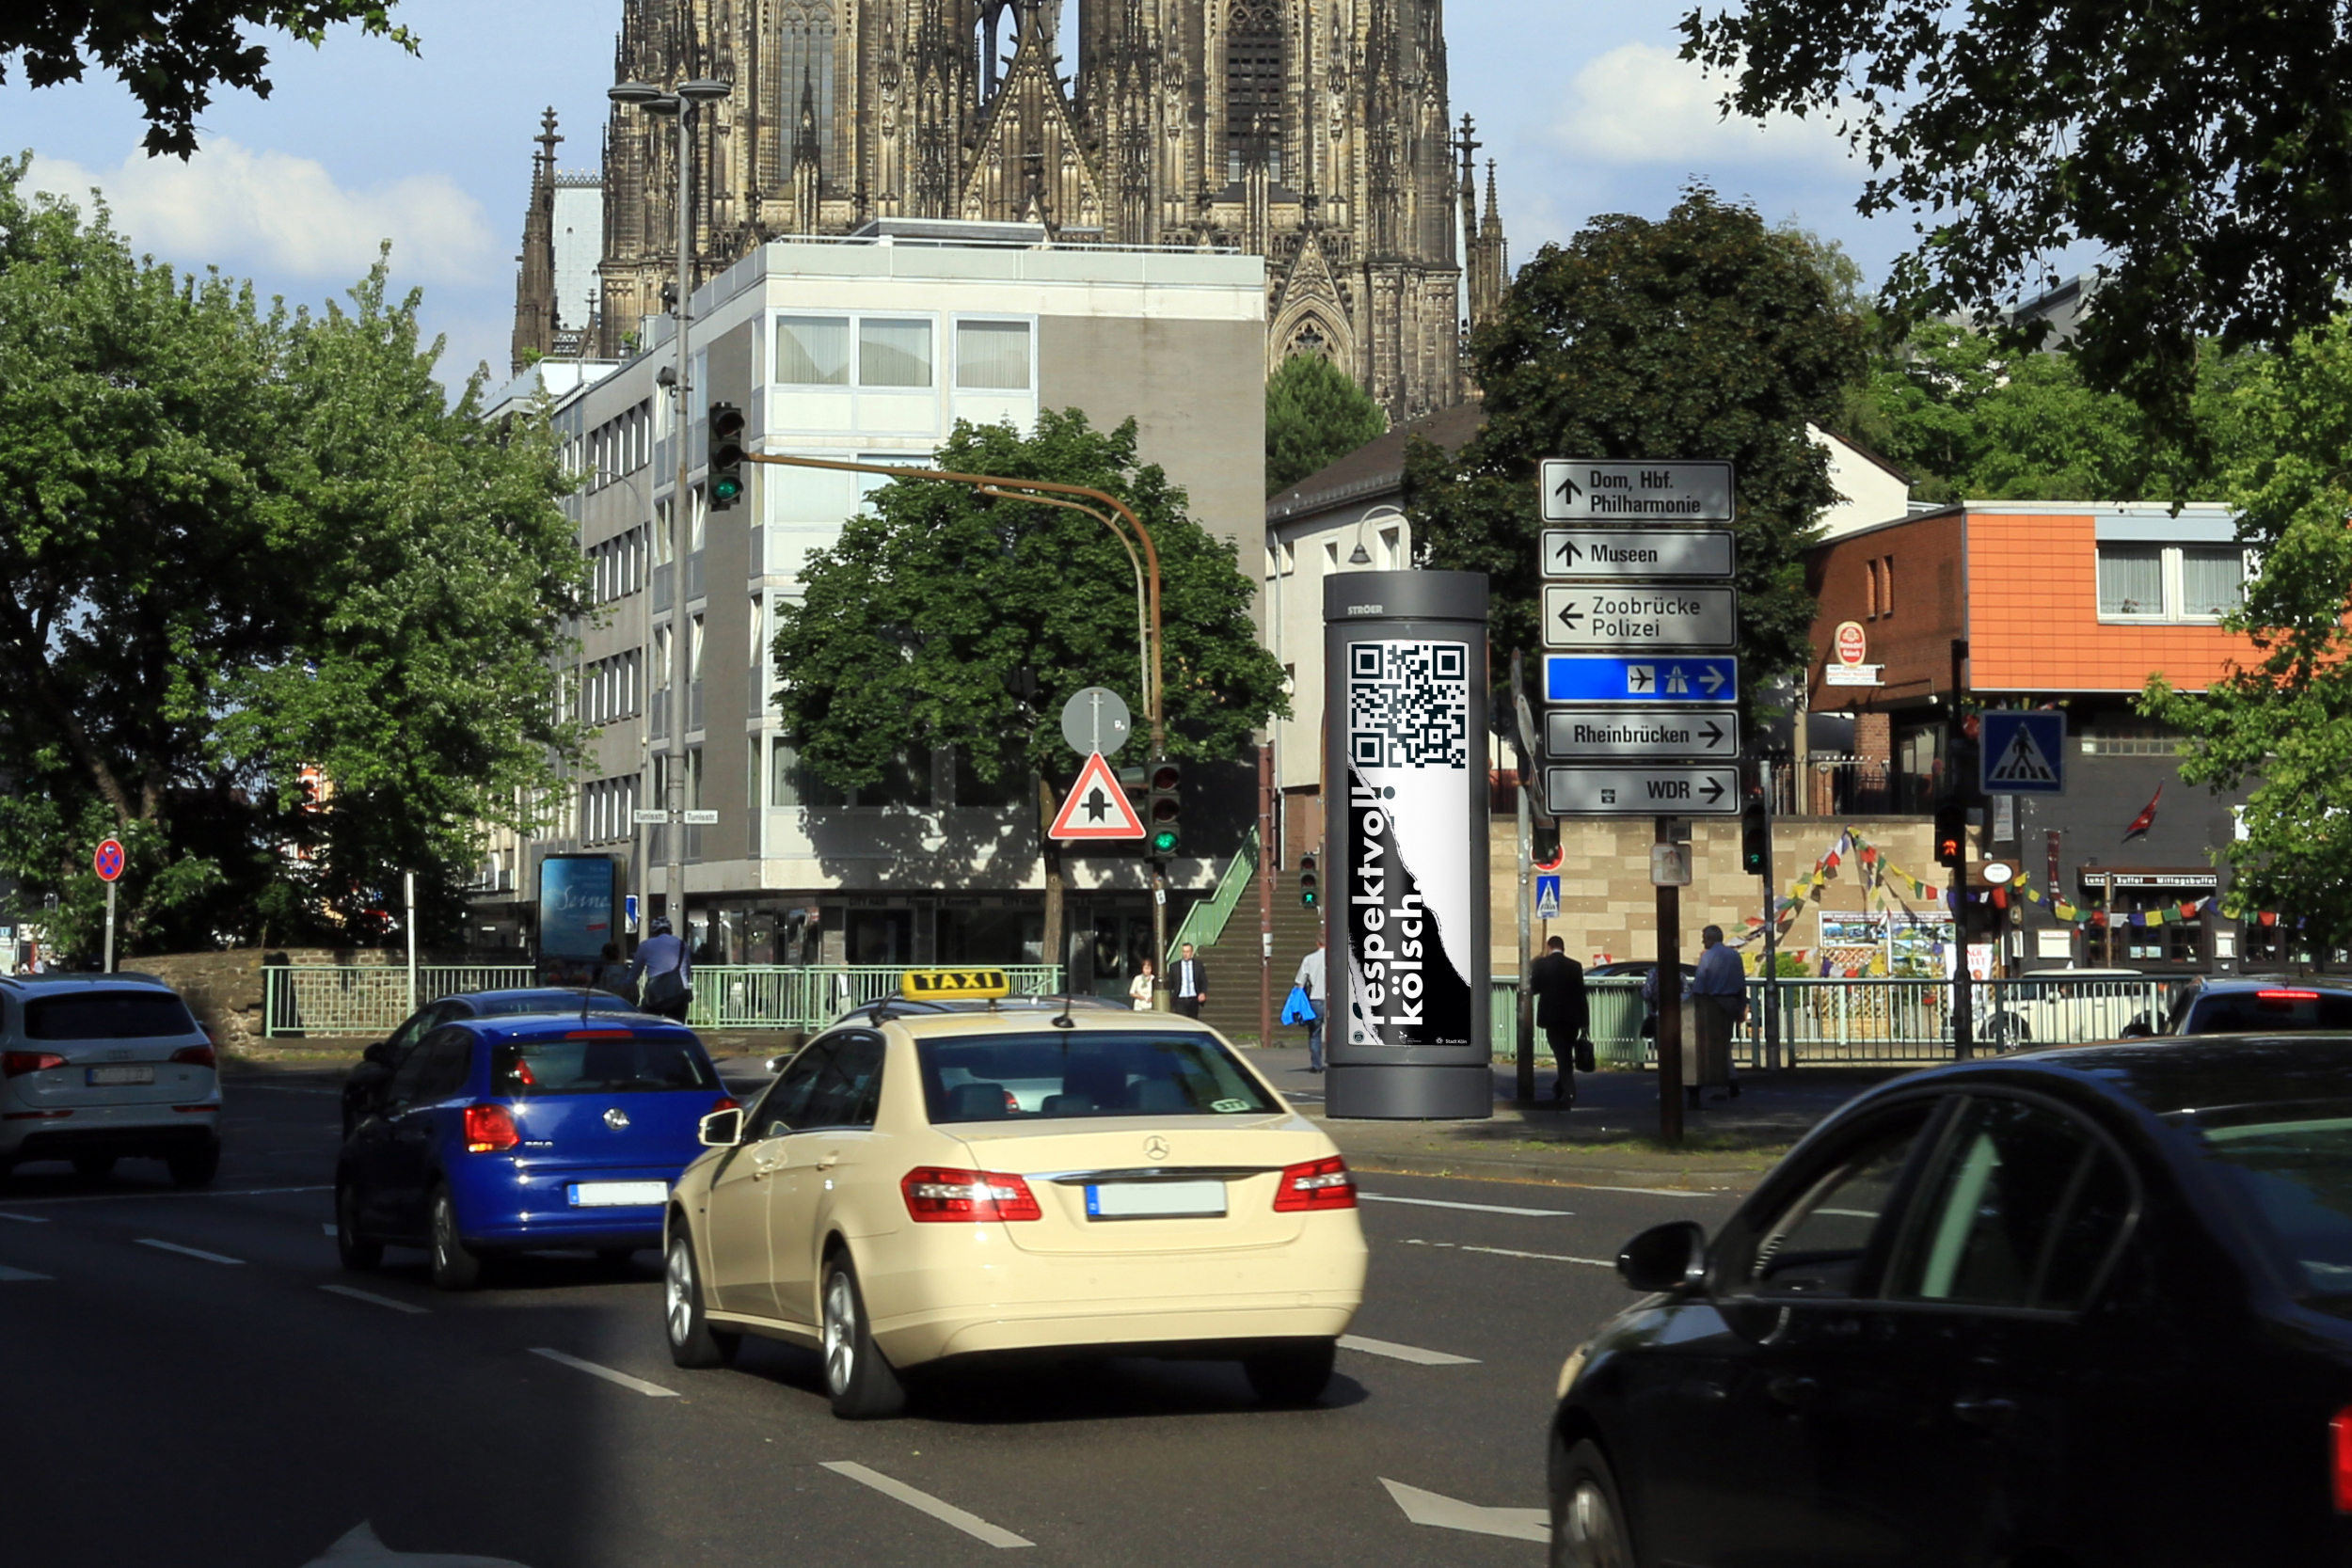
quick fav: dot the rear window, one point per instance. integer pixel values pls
(2273, 1007)
(550, 1001)
(2291, 1166)
(107, 1015)
(1083, 1073)
(599, 1067)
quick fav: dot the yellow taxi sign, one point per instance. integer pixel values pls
(938, 985)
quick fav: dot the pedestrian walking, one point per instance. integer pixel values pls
(1309, 980)
(664, 971)
(1564, 1012)
(1140, 988)
(615, 976)
(1189, 980)
(1719, 989)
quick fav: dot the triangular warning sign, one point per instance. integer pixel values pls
(2022, 760)
(1096, 807)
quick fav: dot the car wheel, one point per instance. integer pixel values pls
(93, 1168)
(692, 1341)
(451, 1265)
(1293, 1375)
(859, 1379)
(195, 1168)
(1588, 1528)
(358, 1253)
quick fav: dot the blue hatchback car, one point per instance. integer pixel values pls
(517, 1133)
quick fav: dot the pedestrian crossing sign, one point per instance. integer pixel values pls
(1547, 897)
(2021, 754)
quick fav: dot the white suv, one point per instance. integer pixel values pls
(96, 1067)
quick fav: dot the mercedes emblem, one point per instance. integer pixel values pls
(616, 1119)
(1156, 1147)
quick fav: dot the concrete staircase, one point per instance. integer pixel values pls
(1232, 963)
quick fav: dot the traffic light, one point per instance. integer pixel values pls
(1755, 836)
(1163, 805)
(1310, 887)
(726, 455)
(1951, 834)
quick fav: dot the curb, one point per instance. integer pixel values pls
(1729, 1184)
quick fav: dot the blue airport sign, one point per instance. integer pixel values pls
(1640, 678)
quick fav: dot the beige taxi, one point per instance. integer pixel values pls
(956, 1174)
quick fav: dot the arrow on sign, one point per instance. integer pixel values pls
(1568, 489)
(1714, 791)
(1570, 615)
(1713, 680)
(1443, 1512)
(1714, 734)
(1569, 554)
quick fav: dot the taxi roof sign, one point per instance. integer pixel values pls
(939, 985)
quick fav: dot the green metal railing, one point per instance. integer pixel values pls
(1205, 922)
(368, 999)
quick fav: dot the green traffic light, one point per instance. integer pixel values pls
(726, 487)
(1164, 842)
(1309, 897)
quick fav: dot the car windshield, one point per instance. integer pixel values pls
(627, 1065)
(2292, 1164)
(1083, 1073)
(550, 1001)
(107, 1015)
(2271, 1008)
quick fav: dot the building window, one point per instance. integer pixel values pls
(2170, 583)
(894, 353)
(2212, 581)
(791, 784)
(1254, 88)
(807, 66)
(1886, 586)
(813, 351)
(2131, 740)
(2130, 580)
(992, 355)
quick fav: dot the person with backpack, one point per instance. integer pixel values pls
(666, 972)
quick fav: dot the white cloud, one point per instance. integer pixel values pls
(284, 215)
(1641, 103)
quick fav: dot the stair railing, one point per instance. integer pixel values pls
(1205, 922)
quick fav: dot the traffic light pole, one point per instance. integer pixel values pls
(1772, 933)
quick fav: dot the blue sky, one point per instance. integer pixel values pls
(1582, 103)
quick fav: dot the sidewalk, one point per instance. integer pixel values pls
(1610, 1139)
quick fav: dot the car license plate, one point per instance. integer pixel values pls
(618, 1195)
(1156, 1200)
(108, 1077)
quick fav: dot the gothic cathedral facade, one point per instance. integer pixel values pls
(1314, 132)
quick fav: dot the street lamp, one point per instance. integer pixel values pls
(682, 102)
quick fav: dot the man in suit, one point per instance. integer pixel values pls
(1188, 982)
(1563, 1013)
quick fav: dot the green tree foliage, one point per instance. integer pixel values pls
(239, 546)
(2286, 720)
(1315, 415)
(172, 53)
(916, 630)
(2202, 149)
(1706, 335)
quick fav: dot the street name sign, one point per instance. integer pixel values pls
(2021, 754)
(1626, 552)
(1572, 734)
(1639, 615)
(1097, 807)
(651, 816)
(1634, 678)
(1664, 791)
(700, 817)
(1583, 491)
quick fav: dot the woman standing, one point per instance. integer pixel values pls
(1140, 988)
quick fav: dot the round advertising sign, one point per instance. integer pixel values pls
(1852, 646)
(108, 863)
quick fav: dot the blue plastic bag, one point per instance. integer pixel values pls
(1300, 1008)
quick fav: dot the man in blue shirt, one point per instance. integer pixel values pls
(1720, 989)
(666, 971)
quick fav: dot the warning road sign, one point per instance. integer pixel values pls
(1097, 807)
(2021, 754)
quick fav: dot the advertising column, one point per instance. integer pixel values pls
(1406, 845)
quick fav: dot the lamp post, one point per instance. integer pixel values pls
(683, 102)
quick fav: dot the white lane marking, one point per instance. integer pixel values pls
(1446, 1203)
(1654, 1192)
(1414, 1354)
(1443, 1512)
(372, 1296)
(7, 1273)
(189, 1251)
(1512, 1252)
(136, 1198)
(25, 1219)
(652, 1391)
(947, 1513)
(329, 1226)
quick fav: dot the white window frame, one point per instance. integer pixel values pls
(994, 318)
(2169, 558)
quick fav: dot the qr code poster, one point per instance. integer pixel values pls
(1408, 705)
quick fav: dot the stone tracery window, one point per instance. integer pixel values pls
(804, 31)
(1253, 87)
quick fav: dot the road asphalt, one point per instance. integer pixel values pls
(197, 1383)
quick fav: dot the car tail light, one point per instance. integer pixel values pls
(1315, 1184)
(490, 1130)
(600, 1034)
(942, 1197)
(725, 1102)
(2339, 1459)
(16, 1063)
(2286, 997)
(197, 1056)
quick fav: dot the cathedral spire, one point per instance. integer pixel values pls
(535, 285)
(808, 174)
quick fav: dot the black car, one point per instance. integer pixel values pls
(2083, 1306)
(363, 1091)
(2252, 1003)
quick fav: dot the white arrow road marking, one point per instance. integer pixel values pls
(361, 1548)
(190, 1251)
(1445, 1512)
(947, 1513)
(7, 1273)
(1414, 1354)
(651, 1390)
(1447, 1203)
(1510, 1252)
(372, 1296)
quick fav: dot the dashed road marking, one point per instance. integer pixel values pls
(1414, 1354)
(26, 1219)
(1514, 1252)
(1477, 1208)
(8, 1273)
(189, 1251)
(372, 1297)
(945, 1512)
(652, 1391)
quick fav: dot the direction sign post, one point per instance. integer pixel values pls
(1665, 789)
(108, 863)
(1577, 490)
(1639, 615)
(1630, 552)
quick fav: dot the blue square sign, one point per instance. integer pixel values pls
(2021, 754)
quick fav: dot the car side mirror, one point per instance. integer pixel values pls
(720, 1130)
(380, 1054)
(1664, 1257)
